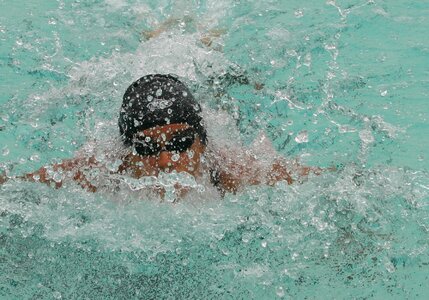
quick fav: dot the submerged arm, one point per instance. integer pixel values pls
(207, 37)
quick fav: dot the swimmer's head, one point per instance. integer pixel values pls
(157, 100)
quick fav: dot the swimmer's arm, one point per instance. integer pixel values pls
(232, 172)
(70, 167)
(235, 175)
(295, 171)
(238, 175)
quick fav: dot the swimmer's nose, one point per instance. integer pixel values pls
(164, 160)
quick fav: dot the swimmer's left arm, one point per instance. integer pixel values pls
(232, 174)
(294, 170)
(235, 175)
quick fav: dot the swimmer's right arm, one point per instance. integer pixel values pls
(72, 167)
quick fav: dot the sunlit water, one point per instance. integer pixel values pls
(345, 83)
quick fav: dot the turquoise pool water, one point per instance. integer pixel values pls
(344, 83)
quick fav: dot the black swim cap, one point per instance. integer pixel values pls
(158, 100)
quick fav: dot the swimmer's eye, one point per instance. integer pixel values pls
(144, 148)
(179, 143)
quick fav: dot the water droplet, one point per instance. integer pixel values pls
(366, 136)
(307, 60)
(299, 13)
(5, 151)
(149, 98)
(57, 295)
(158, 92)
(383, 93)
(291, 52)
(280, 292)
(113, 166)
(34, 157)
(58, 177)
(390, 267)
(191, 153)
(5, 117)
(302, 137)
(185, 94)
(346, 128)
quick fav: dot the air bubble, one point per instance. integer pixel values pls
(175, 157)
(158, 92)
(149, 98)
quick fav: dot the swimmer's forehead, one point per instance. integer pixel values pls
(164, 129)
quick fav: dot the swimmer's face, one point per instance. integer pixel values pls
(168, 148)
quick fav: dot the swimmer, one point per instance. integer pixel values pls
(162, 130)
